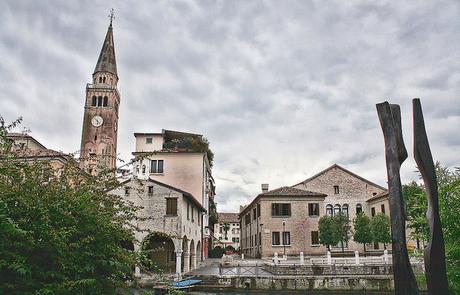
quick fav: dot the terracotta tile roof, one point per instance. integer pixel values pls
(228, 217)
(42, 153)
(290, 191)
(343, 169)
(378, 196)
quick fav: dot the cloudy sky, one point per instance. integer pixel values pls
(282, 89)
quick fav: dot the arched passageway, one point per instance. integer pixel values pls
(159, 247)
(185, 255)
(198, 252)
(192, 255)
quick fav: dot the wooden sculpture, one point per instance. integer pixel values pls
(435, 265)
(396, 154)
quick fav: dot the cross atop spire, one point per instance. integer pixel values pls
(106, 61)
(111, 16)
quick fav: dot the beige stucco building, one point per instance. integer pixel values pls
(283, 221)
(28, 148)
(169, 223)
(180, 160)
(232, 236)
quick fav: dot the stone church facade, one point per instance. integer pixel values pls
(346, 192)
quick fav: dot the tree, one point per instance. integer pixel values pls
(449, 208)
(226, 228)
(61, 233)
(363, 232)
(328, 231)
(416, 207)
(343, 226)
(380, 227)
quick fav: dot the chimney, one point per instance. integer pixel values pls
(264, 187)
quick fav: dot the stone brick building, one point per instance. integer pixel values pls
(284, 220)
(232, 237)
(169, 223)
(349, 193)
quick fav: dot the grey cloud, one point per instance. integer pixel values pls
(281, 89)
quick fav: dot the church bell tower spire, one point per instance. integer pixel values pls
(100, 120)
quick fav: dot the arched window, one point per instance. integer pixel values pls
(359, 208)
(94, 102)
(337, 209)
(143, 169)
(99, 101)
(345, 209)
(100, 79)
(103, 80)
(329, 211)
(105, 101)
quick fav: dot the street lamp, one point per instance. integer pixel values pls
(282, 237)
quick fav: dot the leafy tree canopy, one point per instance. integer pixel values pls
(362, 229)
(61, 233)
(380, 227)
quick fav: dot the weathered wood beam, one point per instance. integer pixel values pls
(395, 155)
(435, 263)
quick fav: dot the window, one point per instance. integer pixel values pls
(171, 206)
(148, 140)
(373, 211)
(193, 215)
(258, 210)
(383, 208)
(100, 79)
(276, 238)
(260, 239)
(255, 240)
(233, 240)
(156, 166)
(286, 238)
(281, 209)
(188, 211)
(94, 102)
(314, 238)
(345, 209)
(329, 210)
(143, 169)
(127, 190)
(254, 213)
(313, 209)
(220, 229)
(359, 208)
(103, 80)
(99, 101)
(247, 219)
(336, 189)
(105, 101)
(337, 209)
(150, 190)
(137, 169)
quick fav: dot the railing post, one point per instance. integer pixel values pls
(238, 270)
(356, 257)
(220, 269)
(257, 270)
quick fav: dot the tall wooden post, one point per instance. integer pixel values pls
(435, 264)
(396, 154)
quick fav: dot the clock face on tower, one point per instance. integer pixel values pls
(97, 121)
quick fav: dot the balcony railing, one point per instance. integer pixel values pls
(100, 85)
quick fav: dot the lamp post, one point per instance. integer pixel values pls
(282, 237)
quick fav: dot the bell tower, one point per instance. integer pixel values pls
(100, 120)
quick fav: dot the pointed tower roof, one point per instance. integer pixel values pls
(106, 61)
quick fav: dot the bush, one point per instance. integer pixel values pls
(217, 252)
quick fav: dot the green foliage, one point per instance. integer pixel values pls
(226, 228)
(343, 226)
(216, 252)
(60, 232)
(416, 207)
(362, 227)
(380, 227)
(329, 233)
(449, 208)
